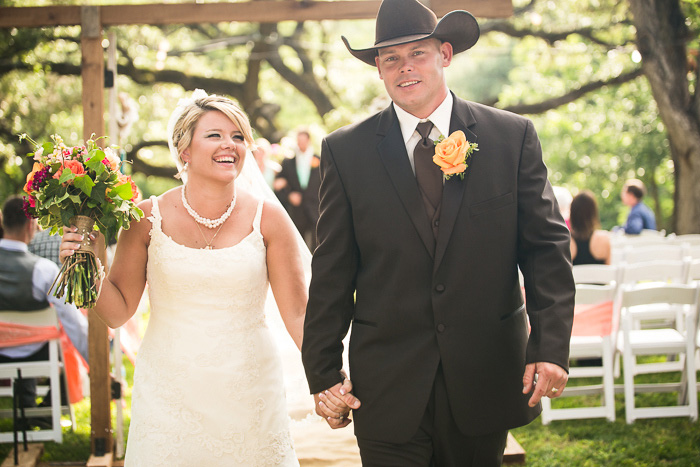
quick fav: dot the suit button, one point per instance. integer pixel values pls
(437, 223)
(440, 288)
(440, 327)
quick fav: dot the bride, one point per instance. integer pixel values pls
(208, 386)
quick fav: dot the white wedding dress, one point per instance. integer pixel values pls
(208, 387)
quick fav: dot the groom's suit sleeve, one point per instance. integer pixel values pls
(334, 268)
(544, 259)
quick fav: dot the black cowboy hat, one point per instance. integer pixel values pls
(403, 21)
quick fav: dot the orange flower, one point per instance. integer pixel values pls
(452, 153)
(30, 177)
(315, 162)
(74, 166)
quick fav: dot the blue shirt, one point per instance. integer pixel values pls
(640, 218)
(74, 322)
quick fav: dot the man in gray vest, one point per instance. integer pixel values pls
(25, 280)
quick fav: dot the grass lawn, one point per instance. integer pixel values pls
(655, 442)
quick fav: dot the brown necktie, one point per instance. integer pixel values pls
(428, 174)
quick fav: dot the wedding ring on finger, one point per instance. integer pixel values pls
(555, 390)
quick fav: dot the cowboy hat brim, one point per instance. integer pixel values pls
(458, 27)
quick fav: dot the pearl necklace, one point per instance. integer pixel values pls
(209, 223)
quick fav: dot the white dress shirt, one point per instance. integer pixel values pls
(303, 163)
(441, 125)
(74, 322)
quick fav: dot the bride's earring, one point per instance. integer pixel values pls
(182, 171)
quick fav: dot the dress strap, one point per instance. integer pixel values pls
(155, 213)
(258, 216)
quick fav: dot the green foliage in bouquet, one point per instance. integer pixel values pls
(66, 186)
(79, 181)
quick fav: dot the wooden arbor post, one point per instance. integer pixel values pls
(92, 70)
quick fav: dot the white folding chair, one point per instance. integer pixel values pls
(690, 239)
(592, 340)
(50, 368)
(692, 251)
(661, 272)
(661, 251)
(645, 342)
(619, 243)
(597, 274)
(694, 278)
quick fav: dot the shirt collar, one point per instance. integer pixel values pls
(440, 117)
(13, 245)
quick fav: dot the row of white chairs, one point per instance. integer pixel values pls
(654, 237)
(625, 298)
(630, 253)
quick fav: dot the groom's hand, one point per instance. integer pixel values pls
(334, 404)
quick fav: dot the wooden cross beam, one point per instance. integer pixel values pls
(262, 11)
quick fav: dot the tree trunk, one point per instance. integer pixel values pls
(661, 40)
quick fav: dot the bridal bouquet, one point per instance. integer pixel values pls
(81, 186)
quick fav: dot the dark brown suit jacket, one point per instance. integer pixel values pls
(461, 305)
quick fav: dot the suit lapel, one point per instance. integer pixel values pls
(392, 152)
(453, 191)
(293, 174)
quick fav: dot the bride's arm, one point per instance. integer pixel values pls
(285, 269)
(123, 287)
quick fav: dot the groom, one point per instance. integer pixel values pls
(426, 271)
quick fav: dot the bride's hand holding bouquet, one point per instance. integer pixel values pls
(82, 188)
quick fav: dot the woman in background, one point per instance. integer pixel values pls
(589, 244)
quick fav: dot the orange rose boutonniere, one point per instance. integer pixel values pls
(452, 154)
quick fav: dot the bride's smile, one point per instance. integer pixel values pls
(217, 148)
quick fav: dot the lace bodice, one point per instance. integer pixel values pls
(207, 385)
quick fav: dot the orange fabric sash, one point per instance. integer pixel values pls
(594, 320)
(13, 335)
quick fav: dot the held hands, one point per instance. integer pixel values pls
(334, 404)
(548, 379)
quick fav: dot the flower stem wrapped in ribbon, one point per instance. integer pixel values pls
(452, 154)
(81, 186)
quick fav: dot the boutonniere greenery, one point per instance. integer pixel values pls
(452, 154)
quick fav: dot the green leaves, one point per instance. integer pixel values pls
(123, 191)
(85, 184)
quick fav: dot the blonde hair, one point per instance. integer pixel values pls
(186, 123)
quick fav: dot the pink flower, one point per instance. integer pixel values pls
(74, 166)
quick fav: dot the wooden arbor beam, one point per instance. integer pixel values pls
(263, 11)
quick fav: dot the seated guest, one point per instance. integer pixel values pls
(589, 244)
(641, 216)
(25, 280)
(46, 245)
